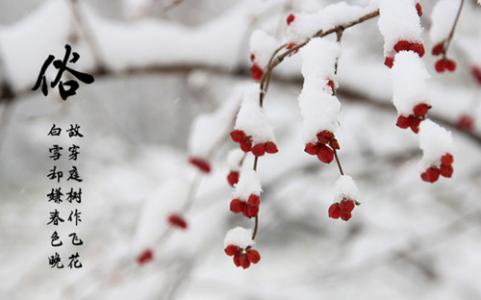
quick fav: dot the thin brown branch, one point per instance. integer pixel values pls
(448, 40)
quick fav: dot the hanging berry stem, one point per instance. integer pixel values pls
(448, 40)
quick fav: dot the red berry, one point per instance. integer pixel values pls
(476, 72)
(254, 200)
(200, 163)
(237, 206)
(177, 221)
(251, 211)
(145, 257)
(438, 49)
(389, 61)
(450, 65)
(256, 72)
(334, 211)
(311, 149)
(233, 178)
(421, 110)
(271, 147)
(290, 18)
(246, 145)
(465, 122)
(325, 136)
(258, 150)
(244, 261)
(231, 250)
(325, 154)
(237, 135)
(414, 123)
(291, 46)
(236, 260)
(418, 48)
(346, 205)
(446, 170)
(253, 256)
(402, 45)
(419, 9)
(345, 215)
(403, 122)
(447, 159)
(440, 66)
(252, 57)
(430, 175)
(334, 144)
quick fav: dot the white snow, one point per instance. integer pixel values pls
(248, 184)
(339, 13)
(262, 45)
(345, 187)
(442, 19)
(208, 130)
(398, 20)
(409, 77)
(304, 26)
(435, 141)
(251, 118)
(319, 58)
(234, 158)
(319, 110)
(240, 237)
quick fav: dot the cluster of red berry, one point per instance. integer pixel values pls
(249, 208)
(404, 45)
(413, 120)
(243, 257)
(324, 147)
(443, 64)
(342, 209)
(432, 173)
(245, 142)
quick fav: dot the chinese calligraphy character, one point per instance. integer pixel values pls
(54, 174)
(55, 195)
(73, 152)
(66, 88)
(55, 218)
(55, 151)
(75, 216)
(76, 241)
(55, 131)
(74, 131)
(74, 261)
(74, 174)
(55, 261)
(74, 195)
(55, 240)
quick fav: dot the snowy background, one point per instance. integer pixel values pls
(166, 64)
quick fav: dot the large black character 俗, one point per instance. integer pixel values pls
(66, 88)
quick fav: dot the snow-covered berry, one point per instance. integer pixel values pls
(239, 244)
(345, 195)
(246, 196)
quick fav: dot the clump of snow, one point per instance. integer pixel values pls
(262, 45)
(234, 159)
(345, 187)
(435, 141)
(248, 184)
(442, 19)
(304, 26)
(134, 9)
(319, 58)
(319, 110)
(339, 13)
(251, 118)
(240, 237)
(398, 20)
(208, 130)
(409, 77)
